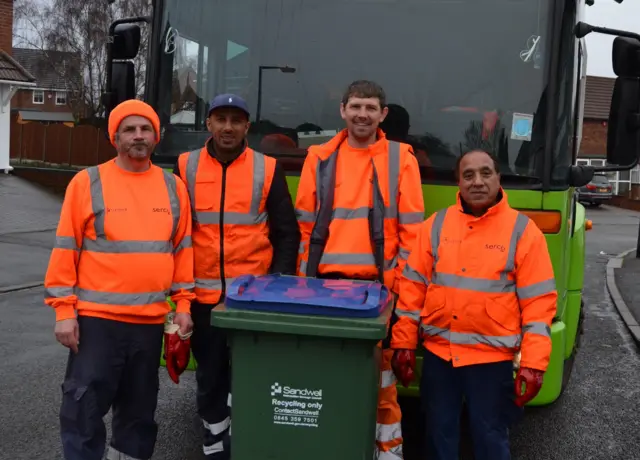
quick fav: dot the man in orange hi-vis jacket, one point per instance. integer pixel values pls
(478, 287)
(122, 246)
(359, 206)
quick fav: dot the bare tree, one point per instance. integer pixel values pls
(79, 27)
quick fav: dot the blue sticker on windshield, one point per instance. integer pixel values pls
(521, 126)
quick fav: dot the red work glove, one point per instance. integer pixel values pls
(532, 380)
(177, 351)
(403, 363)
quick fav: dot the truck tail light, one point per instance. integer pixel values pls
(547, 221)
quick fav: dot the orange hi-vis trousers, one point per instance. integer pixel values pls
(388, 427)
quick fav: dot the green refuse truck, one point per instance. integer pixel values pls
(508, 75)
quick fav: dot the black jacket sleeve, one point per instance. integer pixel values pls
(284, 232)
(176, 169)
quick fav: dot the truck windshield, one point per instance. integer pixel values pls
(458, 74)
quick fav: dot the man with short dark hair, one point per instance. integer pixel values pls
(477, 289)
(371, 192)
(243, 223)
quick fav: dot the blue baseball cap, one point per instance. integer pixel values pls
(228, 100)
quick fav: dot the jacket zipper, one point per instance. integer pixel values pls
(224, 186)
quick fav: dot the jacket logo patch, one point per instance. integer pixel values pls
(446, 239)
(116, 209)
(165, 210)
(495, 247)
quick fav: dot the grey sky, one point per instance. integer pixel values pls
(607, 13)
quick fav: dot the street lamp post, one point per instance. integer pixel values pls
(283, 69)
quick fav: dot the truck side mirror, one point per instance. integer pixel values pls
(123, 85)
(126, 41)
(623, 136)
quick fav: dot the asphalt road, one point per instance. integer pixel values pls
(597, 417)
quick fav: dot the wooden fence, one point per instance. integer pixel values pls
(82, 145)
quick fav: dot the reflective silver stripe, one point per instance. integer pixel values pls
(213, 284)
(394, 173)
(258, 184)
(436, 229)
(217, 428)
(237, 218)
(395, 453)
(174, 203)
(391, 264)
(360, 213)
(305, 216)
(406, 218)
(388, 432)
(478, 284)
(536, 289)
(403, 253)
(469, 338)
(348, 259)
(113, 454)
(58, 292)
(348, 214)
(301, 248)
(97, 200)
(473, 284)
(518, 230)
(192, 168)
(117, 298)
(412, 314)
(65, 242)
(184, 244)
(213, 449)
(253, 217)
(127, 247)
(387, 378)
(176, 286)
(103, 245)
(354, 259)
(414, 275)
(537, 327)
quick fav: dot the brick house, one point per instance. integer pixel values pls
(52, 99)
(596, 116)
(13, 77)
(593, 147)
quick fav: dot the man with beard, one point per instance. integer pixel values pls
(478, 287)
(243, 223)
(122, 245)
(370, 207)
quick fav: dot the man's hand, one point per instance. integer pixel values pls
(68, 333)
(185, 322)
(403, 364)
(532, 380)
(177, 345)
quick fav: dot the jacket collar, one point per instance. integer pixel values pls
(334, 144)
(212, 152)
(501, 204)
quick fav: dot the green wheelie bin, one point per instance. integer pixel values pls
(305, 366)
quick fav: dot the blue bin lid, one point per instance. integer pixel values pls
(302, 295)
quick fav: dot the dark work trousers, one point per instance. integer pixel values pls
(116, 368)
(213, 377)
(487, 389)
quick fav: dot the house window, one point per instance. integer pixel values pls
(61, 98)
(38, 97)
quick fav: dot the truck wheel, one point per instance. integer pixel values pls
(569, 362)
